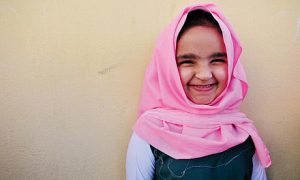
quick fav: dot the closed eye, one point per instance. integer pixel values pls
(186, 62)
(218, 61)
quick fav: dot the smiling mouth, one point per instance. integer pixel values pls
(204, 88)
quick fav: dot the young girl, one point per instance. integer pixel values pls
(189, 124)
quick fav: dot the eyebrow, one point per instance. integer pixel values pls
(194, 56)
(218, 55)
(188, 56)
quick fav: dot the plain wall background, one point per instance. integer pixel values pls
(71, 73)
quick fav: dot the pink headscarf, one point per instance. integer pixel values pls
(169, 121)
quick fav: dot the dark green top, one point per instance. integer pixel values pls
(232, 164)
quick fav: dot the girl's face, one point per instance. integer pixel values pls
(202, 63)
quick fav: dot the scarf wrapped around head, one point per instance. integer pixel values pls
(169, 121)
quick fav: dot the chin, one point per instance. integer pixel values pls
(202, 101)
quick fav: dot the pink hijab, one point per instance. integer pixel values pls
(169, 121)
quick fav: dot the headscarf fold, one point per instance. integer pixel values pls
(170, 122)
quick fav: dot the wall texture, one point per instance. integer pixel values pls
(71, 74)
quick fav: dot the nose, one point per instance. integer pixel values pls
(203, 73)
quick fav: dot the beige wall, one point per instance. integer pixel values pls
(71, 74)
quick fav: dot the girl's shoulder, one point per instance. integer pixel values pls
(143, 159)
(139, 160)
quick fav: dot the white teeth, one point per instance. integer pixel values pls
(205, 86)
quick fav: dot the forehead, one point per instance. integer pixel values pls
(201, 40)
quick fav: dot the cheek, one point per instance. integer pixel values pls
(185, 74)
(222, 75)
